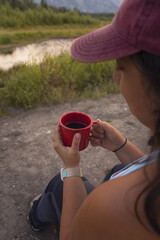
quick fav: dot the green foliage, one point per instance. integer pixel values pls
(41, 16)
(12, 38)
(57, 80)
(102, 16)
(17, 37)
(24, 87)
(21, 4)
(6, 39)
(3, 99)
(2, 78)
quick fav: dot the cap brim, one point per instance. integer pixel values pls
(101, 45)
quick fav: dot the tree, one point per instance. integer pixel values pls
(43, 3)
(14, 3)
(2, 2)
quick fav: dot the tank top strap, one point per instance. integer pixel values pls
(137, 164)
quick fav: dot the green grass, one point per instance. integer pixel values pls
(56, 80)
(37, 23)
(10, 38)
(16, 37)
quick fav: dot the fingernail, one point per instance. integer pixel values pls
(77, 135)
(98, 121)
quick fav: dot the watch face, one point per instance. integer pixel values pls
(64, 173)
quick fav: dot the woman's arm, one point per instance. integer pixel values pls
(74, 194)
(74, 191)
(107, 136)
(129, 153)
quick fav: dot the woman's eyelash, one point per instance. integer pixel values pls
(119, 68)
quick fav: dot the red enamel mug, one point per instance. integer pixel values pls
(75, 122)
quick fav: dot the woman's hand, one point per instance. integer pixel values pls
(105, 135)
(69, 155)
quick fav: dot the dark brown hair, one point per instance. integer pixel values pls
(149, 65)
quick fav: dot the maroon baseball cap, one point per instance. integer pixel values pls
(135, 27)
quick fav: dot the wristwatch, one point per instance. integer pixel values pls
(70, 172)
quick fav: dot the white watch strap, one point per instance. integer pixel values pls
(71, 172)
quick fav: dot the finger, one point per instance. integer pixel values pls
(104, 126)
(97, 130)
(95, 141)
(95, 127)
(97, 133)
(76, 142)
(98, 126)
(57, 138)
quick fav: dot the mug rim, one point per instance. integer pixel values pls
(72, 129)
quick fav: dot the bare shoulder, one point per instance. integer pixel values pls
(108, 212)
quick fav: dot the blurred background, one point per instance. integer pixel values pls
(35, 37)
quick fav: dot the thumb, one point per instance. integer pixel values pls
(76, 142)
(101, 125)
(104, 126)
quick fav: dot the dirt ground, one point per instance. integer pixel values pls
(28, 161)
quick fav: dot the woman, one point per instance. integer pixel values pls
(126, 206)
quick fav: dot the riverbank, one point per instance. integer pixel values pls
(28, 161)
(12, 38)
(34, 52)
(55, 80)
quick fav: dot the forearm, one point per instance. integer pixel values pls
(129, 153)
(109, 137)
(74, 193)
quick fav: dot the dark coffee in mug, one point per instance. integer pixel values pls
(75, 125)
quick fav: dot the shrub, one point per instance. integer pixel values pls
(58, 79)
(6, 39)
(41, 16)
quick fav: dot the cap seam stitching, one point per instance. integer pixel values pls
(123, 38)
(145, 14)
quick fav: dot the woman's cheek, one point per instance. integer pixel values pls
(116, 76)
(127, 94)
(123, 90)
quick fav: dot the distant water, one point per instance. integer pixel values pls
(34, 53)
